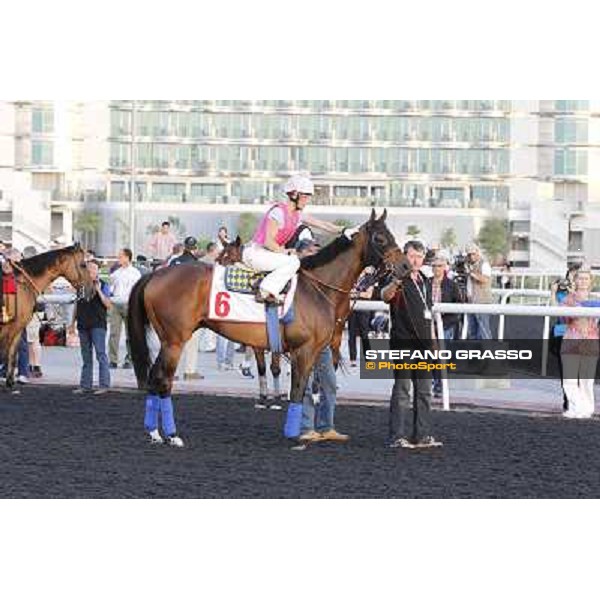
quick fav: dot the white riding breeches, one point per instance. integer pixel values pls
(282, 267)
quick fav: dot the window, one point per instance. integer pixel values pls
(143, 156)
(42, 153)
(120, 122)
(207, 190)
(572, 105)
(318, 160)
(570, 162)
(119, 191)
(120, 155)
(42, 120)
(570, 131)
(168, 192)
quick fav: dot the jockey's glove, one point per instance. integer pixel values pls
(350, 231)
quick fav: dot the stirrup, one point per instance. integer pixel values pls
(270, 299)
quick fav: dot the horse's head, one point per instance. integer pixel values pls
(231, 253)
(73, 267)
(381, 249)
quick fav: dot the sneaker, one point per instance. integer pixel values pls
(401, 443)
(310, 436)
(113, 365)
(126, 365)
(155, 437)
(175, 441)
(261, 403)
(428, 442)
(81, 390)
(22, 379)
(100, 391)
(37, 372)
(333, 436)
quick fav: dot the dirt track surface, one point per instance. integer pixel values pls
(56, 445)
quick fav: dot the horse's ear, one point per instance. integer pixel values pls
(238, 241)
(373, 215)
(383, 216)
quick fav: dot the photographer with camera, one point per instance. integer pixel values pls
(559, 290)
(479, 291)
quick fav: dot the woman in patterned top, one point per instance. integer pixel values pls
(580, 352)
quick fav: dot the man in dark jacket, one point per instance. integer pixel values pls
(410, 310)
(190, 246)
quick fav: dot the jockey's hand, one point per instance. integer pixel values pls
(350, 231)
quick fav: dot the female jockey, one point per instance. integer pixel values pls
(267, 251)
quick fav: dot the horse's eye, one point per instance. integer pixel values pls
(379, 239)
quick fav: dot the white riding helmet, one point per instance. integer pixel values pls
(299, 183)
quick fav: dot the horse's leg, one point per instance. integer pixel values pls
(303, 361)
(261, 367)
(276, 372)
(159, 400)
(14, 339)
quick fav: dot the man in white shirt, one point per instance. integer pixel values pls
(479, 291)
(162, 242)
(122, 281)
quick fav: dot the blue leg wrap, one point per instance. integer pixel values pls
(152, 410)
(168, 419)
(293, 420)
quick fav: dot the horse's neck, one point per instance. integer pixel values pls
(343, 271)
(43, 280)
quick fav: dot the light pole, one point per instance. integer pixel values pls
(132, 183)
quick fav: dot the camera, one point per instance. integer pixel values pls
(461, 271)
(563, 285)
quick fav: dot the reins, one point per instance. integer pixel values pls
(26, 276)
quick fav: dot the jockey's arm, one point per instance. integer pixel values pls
(322, 225)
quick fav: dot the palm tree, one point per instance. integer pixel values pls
(87, 224)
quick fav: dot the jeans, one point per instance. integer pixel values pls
(225, 350)
(95, 338)
(400, 405)
(320, 417)
(117, 318)
(23, 356)
(479, 327)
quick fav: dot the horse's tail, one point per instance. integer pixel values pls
(137, 321)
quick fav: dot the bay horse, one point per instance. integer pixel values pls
(232, 255)
(175, 302)
(33, 276)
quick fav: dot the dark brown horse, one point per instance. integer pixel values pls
(33, 276)
(231, 255)
(175, 302)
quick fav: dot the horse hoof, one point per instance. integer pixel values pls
(275, 406)
(175, 441)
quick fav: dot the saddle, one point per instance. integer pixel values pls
(244, 280)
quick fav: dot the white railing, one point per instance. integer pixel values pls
(503, 310)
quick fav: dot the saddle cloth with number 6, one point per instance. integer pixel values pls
(225, 304)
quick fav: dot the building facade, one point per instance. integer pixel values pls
(435, 164)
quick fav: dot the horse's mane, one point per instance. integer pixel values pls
(40, 263)
(326, 254)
